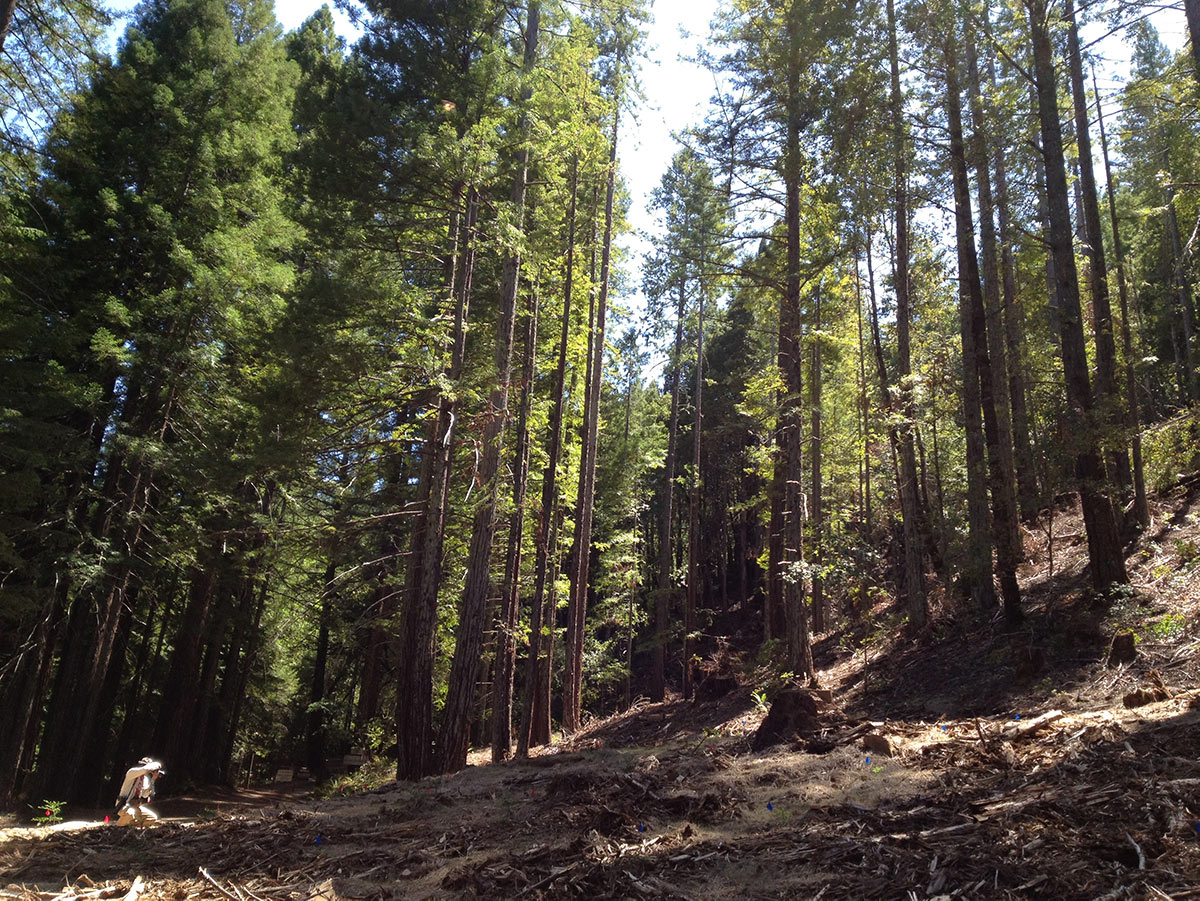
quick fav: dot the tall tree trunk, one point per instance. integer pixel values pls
(914, 569)
(1183, 293)
(7, 8)
(316, 726)
(1054, 300)
(456, 716)
(1106, 350)
(993, 367)
(1141, 509)
(537, 664)
(1192, 10)
(577, 607)
(816, 511)
(864, 409)
(414, 683)
(978, 566)
(506, 653)
(1014, 334)
(1104, 544)
(693, 578)
(662, 598)
(791, 363)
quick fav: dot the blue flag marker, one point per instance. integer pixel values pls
(318, 841)
(769, 806)
(868, 760)
(1017, 717)
(641, 827)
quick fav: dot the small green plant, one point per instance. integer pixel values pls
(49, 812)
(1187, 551)
(760, 700)
(1167, 628)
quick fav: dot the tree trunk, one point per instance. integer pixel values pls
(662, 598)
(577, 607)
(506, 653)
(414, 683)
(791, 363)
(864, 409)
(537, 665)
(1106, 351)
(693, 578)
(1192, 10)
(1014, 337)
(1104, 544)
(456, 716)
(978, 567)
(7, 8)
(315, 745)
(816, 510)
(1141, 509)
(993, 368)
(914, 569)
(1183, 293)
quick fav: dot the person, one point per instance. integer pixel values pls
(136, 790)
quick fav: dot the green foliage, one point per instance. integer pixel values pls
(48, 812)
(371, 775)
(1168, 627)
(1171, 449)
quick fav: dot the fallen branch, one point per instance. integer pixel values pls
(542, 883)
(1018, 731)
(1138, 848)
(220, 888)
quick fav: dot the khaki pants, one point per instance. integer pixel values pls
(136, 813)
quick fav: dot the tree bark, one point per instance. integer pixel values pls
(537, 665)
(816, 511)
(978, 567)
(7, 8)
(1104, 545)
(791, 363)
(662, 598)
(1141, 508)
(506, 652)
(993, 368)
(456, 716)
(693, 579)
(414, 684)
(577, 607)
(1106, 351)
(1014, 336)
(1192, 10)
(914, 569)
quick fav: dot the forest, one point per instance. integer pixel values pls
(339, 415)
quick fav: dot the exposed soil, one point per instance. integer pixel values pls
(1003, 763)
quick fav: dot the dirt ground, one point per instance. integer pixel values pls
(1013, 768)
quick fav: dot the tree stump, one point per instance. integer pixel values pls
(794, 711)
(1123, 649)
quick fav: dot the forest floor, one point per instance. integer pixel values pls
(1004, 763)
